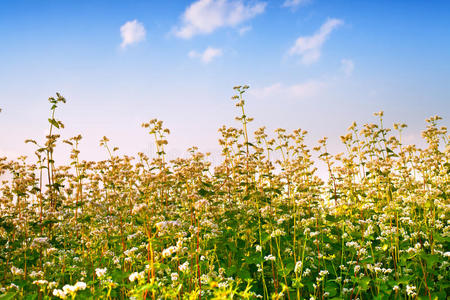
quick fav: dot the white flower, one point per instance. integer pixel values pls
(298, 266)
(204, 278)
(411, 250)
(133, 276)
(277, 232)
(136, 275)
(259, 268)
(269, 257)
(395, 288)
(39, 241)
(258, 248)
(352, 244)
(16, 271)
(369, 231)
(51, 250)
(362, 252)
(174, 276)
(138, 208)
(100, 272)
(169, 251)
(59, 293)
(80, 285)
(201, 203)
(52, 285)
(130, 252)
(288, 251)
(314, 233)
(69, 289)
(411, 290)
(40, 282)
(184, 267)
(35, 274)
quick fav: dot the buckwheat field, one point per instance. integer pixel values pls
(260, 225)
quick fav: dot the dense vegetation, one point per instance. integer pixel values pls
(261, 224)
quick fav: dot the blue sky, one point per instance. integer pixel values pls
(316, 65)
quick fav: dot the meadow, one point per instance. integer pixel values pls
(260, 225)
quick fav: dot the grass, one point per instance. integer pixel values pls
(261, 224)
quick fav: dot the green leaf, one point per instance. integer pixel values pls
(290, 266)
(204, 193)
(364, 283)
(253, 259)
(331, 288)
(244, 274)
(438, 295)
(54, 123)
(9, 295)
(265, 237)
(231, 270)
(391, 153)
(430, 259)
(330, 218)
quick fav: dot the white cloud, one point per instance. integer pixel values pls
(347, 66)
(295, 3)
(132, 32)
(309, 47)
(244, 30)
(304, 90)
(206, 56)
(205, 16)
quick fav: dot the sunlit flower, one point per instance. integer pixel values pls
(100, 272)
(184, 267)
(16, 271)
(136, 276)
(298, 266)
(59, 293)
(411, 290)
(269, 257)
(174, 276)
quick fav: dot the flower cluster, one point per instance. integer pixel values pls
(259, 223)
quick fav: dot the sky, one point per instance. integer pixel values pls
(318, 65)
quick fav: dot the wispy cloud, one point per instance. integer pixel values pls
(244, 30)
(295, 3)
(309, 47)
(132, 32)
(299, 91)
(205, 16)
(347, 66)
(206, 56)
